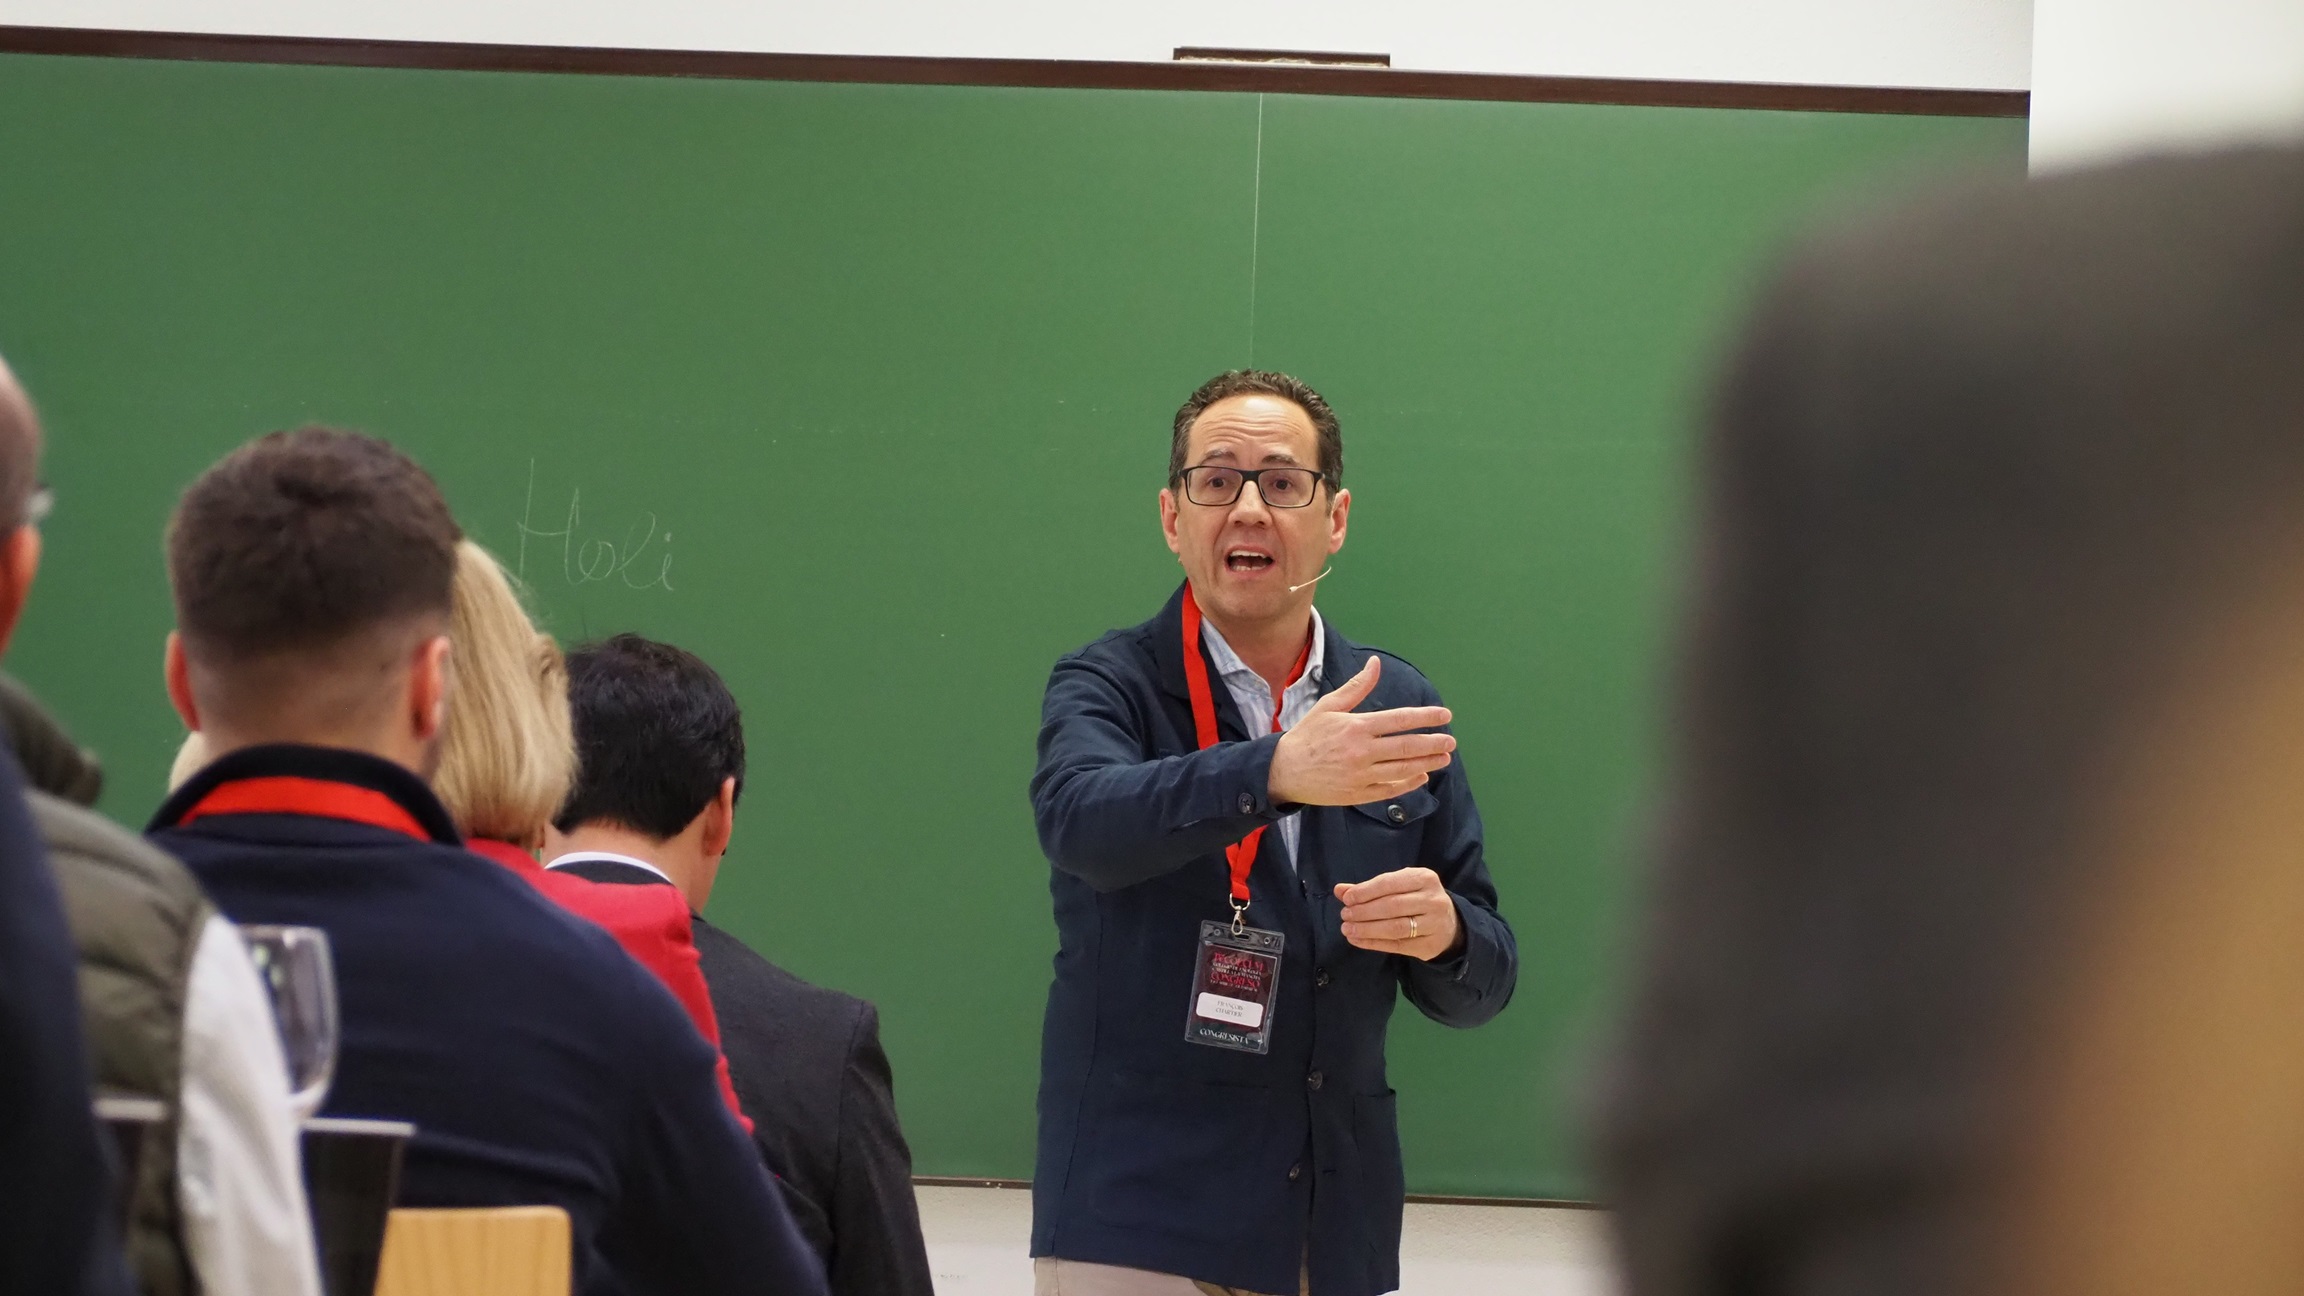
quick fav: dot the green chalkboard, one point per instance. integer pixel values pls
(862, 392)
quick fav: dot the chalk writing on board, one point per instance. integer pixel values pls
(583, 560)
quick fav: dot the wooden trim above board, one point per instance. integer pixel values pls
(1267, 78)
(1426, 1199)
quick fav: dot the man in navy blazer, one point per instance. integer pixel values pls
(1260, 837)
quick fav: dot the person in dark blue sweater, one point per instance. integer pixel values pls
(541, 1066)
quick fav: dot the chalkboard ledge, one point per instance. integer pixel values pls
(1420, 1199)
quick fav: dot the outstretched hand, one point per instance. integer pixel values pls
(1336, 756)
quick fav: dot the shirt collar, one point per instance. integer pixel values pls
(608, 857)
(1229, 665)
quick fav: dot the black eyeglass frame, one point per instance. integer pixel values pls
(1319, 478)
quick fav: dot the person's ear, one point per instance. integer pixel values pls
(1337, 513)
(720, 820)
(19, 563)
(1168, 521)
(176, 670)
(431, 677)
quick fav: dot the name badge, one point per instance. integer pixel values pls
(1234, 986)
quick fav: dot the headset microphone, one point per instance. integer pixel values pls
(1314, 581)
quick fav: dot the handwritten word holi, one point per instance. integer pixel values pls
(585, 561)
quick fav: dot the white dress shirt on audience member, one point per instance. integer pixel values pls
(239, 1169)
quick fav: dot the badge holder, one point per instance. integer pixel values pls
(1235, 986)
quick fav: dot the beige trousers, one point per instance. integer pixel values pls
(1052, 1277)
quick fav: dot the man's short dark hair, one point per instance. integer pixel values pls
(657, 732)
(1260, 382)
(300, 541)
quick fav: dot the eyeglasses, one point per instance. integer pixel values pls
(1215, 486)
(41, 503)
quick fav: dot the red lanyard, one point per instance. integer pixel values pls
(1241, 855)
(286, 794)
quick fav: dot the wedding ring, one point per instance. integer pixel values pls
(1411, 927)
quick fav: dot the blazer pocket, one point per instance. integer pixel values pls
(1170, 1150)
(1401, 811)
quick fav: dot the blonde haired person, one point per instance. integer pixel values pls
(507, 754)
(507, 757)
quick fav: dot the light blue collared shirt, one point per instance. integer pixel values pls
(1254, 698)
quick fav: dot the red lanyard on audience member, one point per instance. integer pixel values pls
(287, 794)
(1241, 855)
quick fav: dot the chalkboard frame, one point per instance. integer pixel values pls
(1078, 74)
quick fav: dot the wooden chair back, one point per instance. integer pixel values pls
(499, 1251)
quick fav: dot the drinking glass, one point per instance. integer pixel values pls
(300, 978)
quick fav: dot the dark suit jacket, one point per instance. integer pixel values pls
(810, 1073)
(1219, 1165)
(1978, 471)
(58, 1229)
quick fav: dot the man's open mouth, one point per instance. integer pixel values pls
(1247, 560)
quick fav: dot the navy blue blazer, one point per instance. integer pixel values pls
(539, 1063)
(1219, 1165)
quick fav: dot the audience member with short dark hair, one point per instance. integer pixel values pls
(173, 1012)
(312, 575)
(58, 1233)
(1972, 962)
(660, 761)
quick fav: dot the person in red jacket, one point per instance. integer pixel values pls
(507, 759)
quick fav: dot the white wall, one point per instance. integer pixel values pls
(2112, 78)
(978, 1239)
(1969, 44)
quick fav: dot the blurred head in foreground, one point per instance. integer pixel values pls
(311, 572)
(1975, 958)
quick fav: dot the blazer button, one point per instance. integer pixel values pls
(1314, 1079)
(1295, 1172)
(1247, 804)
(1320, 979)
(1396, 814)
